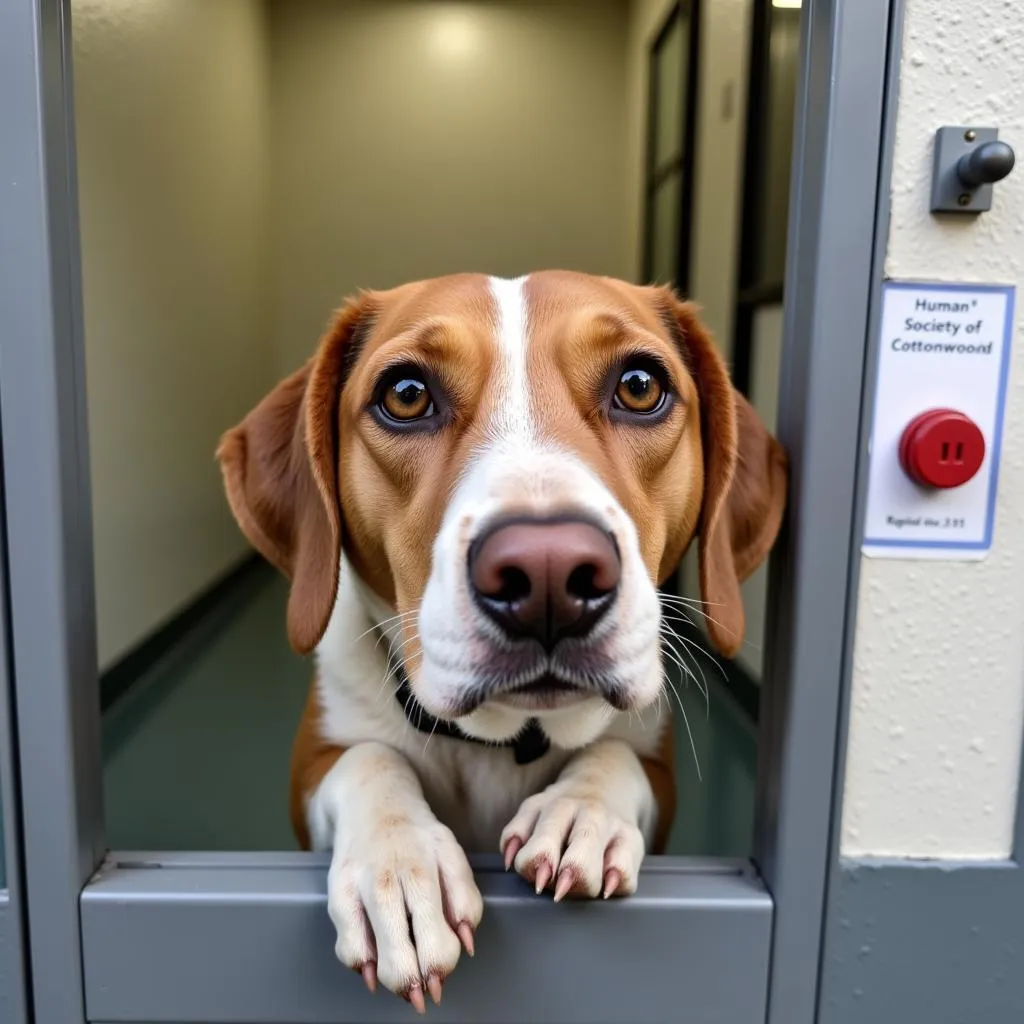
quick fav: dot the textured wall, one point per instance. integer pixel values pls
(936, 716)
(172, 127)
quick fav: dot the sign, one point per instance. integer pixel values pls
(943, 346)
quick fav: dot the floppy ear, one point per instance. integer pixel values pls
(280, 468)
(744, 485)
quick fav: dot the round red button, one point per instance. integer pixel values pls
(942, 448)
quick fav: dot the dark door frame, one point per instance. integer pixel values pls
(681, 164)
(752, 294)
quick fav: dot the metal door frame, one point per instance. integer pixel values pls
(688, 12)
(14, 1005)
(201, 937)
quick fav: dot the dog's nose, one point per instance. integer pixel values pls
(545, 579)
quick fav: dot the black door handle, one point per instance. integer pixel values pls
(988, 163)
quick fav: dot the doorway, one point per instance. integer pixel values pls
(243, 928)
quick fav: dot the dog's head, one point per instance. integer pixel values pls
(512, 467)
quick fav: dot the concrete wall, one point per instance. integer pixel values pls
(418, 139)
(172, 124)
(936, 719)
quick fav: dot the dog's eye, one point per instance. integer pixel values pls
(639, 390)
(406, 397)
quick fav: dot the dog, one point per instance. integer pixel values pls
(476, 487)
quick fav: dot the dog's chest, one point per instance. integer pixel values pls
(475, 790)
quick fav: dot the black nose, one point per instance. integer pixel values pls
(544, 579)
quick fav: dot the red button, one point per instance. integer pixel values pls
(942, 448)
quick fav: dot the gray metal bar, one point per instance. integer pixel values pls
(1018, 830)
(884, 959)
(291, 859)
(834, 196)
(12, 973)
(919, 941)
(178, 943)
(46, 486)
(13, 961)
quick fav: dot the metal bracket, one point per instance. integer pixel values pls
(967, 162)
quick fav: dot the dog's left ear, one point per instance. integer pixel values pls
(280, 468)
(744, 483)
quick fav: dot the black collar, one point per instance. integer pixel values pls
(528, 745)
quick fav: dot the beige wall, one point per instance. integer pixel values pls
(938, 684)
(172, 128)
(418, 139)
(244, 165)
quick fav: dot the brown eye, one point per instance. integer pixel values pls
(639, 391)
(406, 398)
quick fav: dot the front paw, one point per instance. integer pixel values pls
(575, 842)
(404, 903)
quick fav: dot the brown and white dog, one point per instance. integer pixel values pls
(475, 487)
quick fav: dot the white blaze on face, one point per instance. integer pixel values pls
(516, 470)
(513, 419)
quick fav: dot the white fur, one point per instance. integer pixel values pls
(400, 805)
(513, 419)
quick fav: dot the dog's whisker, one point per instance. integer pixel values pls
(696, 661)
(676, 658)
(694, 602)
(689, 731)
(675, 610)
(679, 659)
(384, 635)
(430, 735)
(380, 625)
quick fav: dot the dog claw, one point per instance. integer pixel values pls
(612, 881)
(542, 877)
(566, 878)
(465, 933)
(415, 997)
(369, 973)
(514, 845)
(434, 988)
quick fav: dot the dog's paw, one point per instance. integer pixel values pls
(575, 843)
(404, 903)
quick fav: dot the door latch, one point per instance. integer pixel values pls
(968, 161)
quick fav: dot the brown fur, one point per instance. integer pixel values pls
(309, 471)
(744, 486)
(312, 758)
(661, 774)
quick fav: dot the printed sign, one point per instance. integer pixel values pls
(943, 346)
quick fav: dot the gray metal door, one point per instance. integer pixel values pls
(245, 937)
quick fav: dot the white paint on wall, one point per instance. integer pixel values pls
(938, 686)
(414, 139)
(172, 128)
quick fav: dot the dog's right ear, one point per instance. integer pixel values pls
(280, 467)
